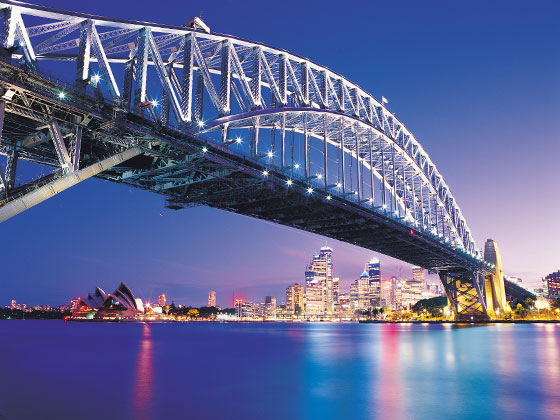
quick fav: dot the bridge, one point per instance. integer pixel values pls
(209, 119)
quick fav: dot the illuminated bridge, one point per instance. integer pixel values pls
(209, 119)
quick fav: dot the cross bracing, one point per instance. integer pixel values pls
(264, 117)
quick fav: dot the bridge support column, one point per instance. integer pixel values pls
(465, 294)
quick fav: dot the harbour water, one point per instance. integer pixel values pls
(57, 370)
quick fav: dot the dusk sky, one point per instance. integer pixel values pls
(478, 83)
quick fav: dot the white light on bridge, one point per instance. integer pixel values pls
(265, 173)
(155, 102)
(238, 140)
(289, 182)
(328, 197)
(270, 154)
(61, 95)
(204, 149)
(338, 185)
(384, 206)
(310, 190)
(296, 166)
(201, 124)
(95, 78)
(319, 176)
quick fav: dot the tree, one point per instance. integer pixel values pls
(193, 313)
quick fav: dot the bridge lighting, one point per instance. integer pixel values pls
(201, 123)
(270, 154)
(338, 185)
(310, 190)
(265, 173)
(329, 197)
(384, 206)
(371, 200)
(204, 149)
(289, 182)
(95, 78)
(296, 166)
(61, 95)
(155, 102)
(238, 140)
(319, 176)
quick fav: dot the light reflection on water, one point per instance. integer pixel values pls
(278, 371)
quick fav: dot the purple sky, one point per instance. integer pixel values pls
(477, 84)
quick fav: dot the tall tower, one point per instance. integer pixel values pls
(374, 274)
(319, 283)
(419, 274)
(495, 288)
(212, 298)
(294, 299)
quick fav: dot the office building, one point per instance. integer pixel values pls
(212, 298)
(294, 299)
(551, 285)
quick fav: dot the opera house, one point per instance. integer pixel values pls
(119, 305)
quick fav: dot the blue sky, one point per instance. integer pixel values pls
(477, 83)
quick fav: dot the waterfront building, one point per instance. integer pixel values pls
(551, 285)
(374, 274)
(162, 300)
(345, 303)
(245, 310)
(13, 304)
(294, 299)
(319, 283)
(121, 304)
(269, 307)
(212, 299)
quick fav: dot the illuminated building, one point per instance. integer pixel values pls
(345, 302)
(13, 304)
(374, 274)
(319, 284)
(551, 285)
(336, 303)
(162, 300)
(364, 291)
(386, 294)
(121, 304)
(245, 310)
(212, 298)
(410, 292)
(419, 274)
(354, 301)
(269, 307)
(294, 299)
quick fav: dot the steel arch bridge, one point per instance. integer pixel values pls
(210, 119)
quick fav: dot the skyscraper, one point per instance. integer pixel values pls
(162, 300)
(294, 299)
(212, 298)
(364, 291)
(319, 283)
(419, 274)
(374, 275)
(270, 306)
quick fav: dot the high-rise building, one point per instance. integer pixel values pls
(14, 303)
(419, 274)
(374, 273)
(336, 294)
(411, 292)
(270, 306)
(162, 300)
(294, 299)
(386, 294)
(244, 309)
(364, 291)
(354, 301)
(551, 285)
(212, 298)
(319, 284)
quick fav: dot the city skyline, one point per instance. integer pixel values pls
(186, 245)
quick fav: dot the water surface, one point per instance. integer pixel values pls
(53, 370)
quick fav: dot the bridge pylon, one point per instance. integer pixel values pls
(466, 295)
(496, 300)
